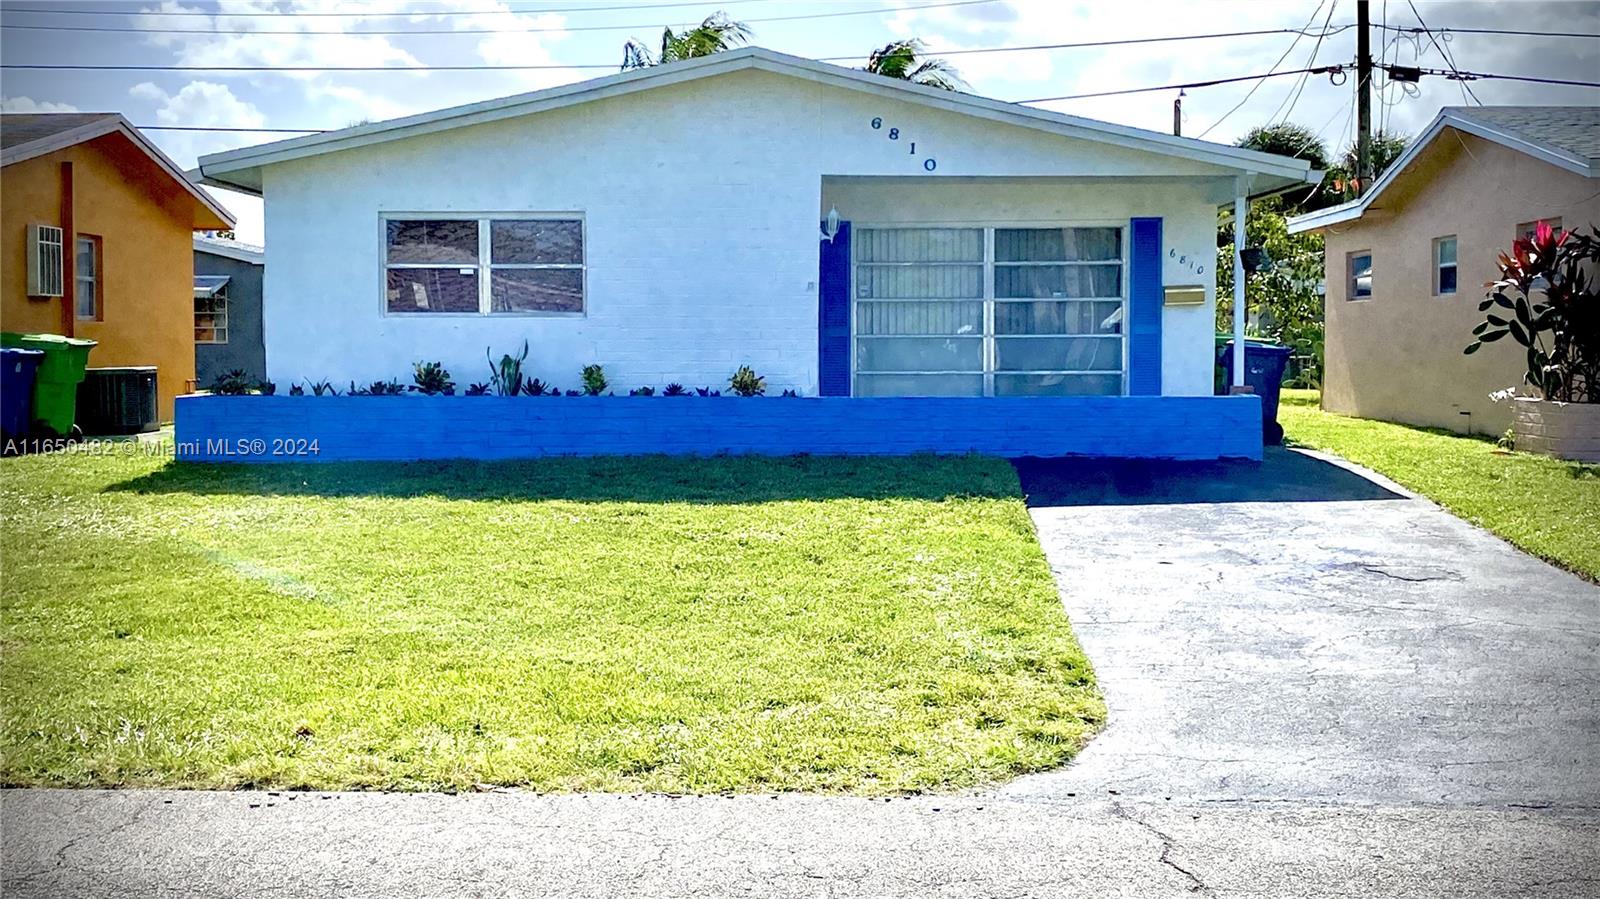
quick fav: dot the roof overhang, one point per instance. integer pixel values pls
(230, 250)
(207, 286)
(116, 124)
(1460, 120)
(240, 169)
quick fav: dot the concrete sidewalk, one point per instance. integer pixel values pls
(136, 843)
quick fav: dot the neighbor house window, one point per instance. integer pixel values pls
(86, 277)
(1359, 277)
(211, 309)
(1444, 266)
(988, 311)
(484, 266)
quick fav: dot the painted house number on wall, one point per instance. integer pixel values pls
(1190, 262)
(928, 163)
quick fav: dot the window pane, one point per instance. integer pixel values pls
(919, 245)
(1058, 318)
(916, 282)
(1361, 275)
(433, 290)
(1057, 244)
(919, 385)
(536, 290)
(1044, 281)
(1058, 385)
(86, 258)
(443, 241)
(947, 318)
(85, 299)
(919, 354)
(1447, 251)
(536, 242)
(1058, 354)
(1447, 279)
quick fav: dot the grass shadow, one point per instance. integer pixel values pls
(1283, 476)
(644, 479)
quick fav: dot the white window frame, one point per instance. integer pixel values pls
(1350, 295)
(484, 265)
(990, 350)
(95, 281)
(219, 320)
(1439, 266)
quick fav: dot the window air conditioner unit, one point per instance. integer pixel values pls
(44, 261)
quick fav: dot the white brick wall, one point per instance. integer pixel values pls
(701, 203)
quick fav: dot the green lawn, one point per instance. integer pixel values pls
(1547, 507)
(729, 624)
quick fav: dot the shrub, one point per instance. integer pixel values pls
(745, 382)
(430, 378)
(507, 375)
(675, 389)
(594, 380)
(642, 391)
(232, 383)
(1560, 329)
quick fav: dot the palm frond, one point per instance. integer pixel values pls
(902, 60)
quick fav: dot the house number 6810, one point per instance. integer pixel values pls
(894, 134)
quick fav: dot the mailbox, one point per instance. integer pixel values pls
(1185, 295)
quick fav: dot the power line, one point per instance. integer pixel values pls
(518, 30)
(1464, 75)
(1448, 30)
(1290, 49)
(1444, 50)
(1319, 70)
(1294, 96)
(612, 65)
(373, 14)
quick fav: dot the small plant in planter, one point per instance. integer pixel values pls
(232, 383)
(536, 387)
(745, 382)
(707, 391)
(266, 388)
(790, 392)
(642, 391)
(431, 379)
(322, 388)
(296, 390)
(1547, 299)
(574, 393)
(379, 388)
(675, 389)
(594, 380)
(477, 390)
(506, 375)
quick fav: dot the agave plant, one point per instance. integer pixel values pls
(232, 383)
(322, 388)
(714, 35)
(903, 60)
(477, 390)
(1551, 300)
(675, 389)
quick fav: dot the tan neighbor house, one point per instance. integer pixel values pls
(1406, 264)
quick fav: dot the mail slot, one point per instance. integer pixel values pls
(1185, 295)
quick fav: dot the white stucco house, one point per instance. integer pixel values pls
(840, 232)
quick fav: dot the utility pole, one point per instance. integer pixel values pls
(1177, 115)
(1363, 98)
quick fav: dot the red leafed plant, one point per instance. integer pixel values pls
(1548, 300)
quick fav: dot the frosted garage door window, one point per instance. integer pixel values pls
(996, 311)
(484, 266)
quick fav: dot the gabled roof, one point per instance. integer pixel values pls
(241, 169)
(230, 249)
(24, 136)
(1567, 137)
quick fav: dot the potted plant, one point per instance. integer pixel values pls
(1548, 300)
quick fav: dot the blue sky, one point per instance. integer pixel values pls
(570, 33)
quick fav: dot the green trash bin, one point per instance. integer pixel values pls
(55, 386)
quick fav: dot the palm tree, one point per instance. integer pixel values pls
(714, 35)
(900, 59)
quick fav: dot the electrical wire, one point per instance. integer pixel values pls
(1444, 51)
(1319, 70)
(1293, 96)
(369, 13)
(1290, 49)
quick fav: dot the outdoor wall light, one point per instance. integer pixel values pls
(1254, 259)
(831, 229)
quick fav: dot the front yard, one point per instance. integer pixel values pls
(1545, 507)
(707, 625)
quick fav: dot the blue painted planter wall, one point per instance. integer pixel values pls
(222, 428)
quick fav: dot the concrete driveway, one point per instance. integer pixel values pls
(1305, 630)
(1319, 687)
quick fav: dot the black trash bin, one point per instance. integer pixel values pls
(1264, 364)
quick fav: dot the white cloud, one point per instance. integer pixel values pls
(28, 104)
(200, 103)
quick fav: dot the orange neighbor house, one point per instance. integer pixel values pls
(96, 241)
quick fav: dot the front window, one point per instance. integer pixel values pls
(86, 277)
(210, 309)
(484, 266)
(1527, 230)
(1359, 286)
(1444, 266)
(988, 311)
